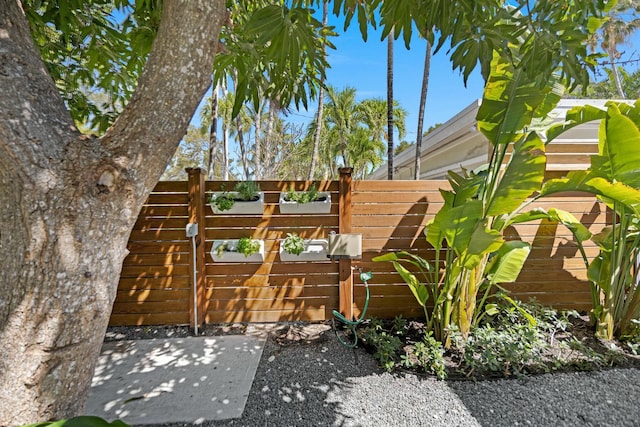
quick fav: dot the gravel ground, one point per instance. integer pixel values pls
(306, 378)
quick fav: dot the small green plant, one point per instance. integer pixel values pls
(385, 345)
(293, 244)
(244, 191)
(632, 339)
(512, 342)
(302, 196)
(248, 246)
(399, 325)
(430, 356)
(247, 190)
(223, 202)
(510, 350)
(245, 245)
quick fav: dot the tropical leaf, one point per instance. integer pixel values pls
(622, 148)
(576, 116)
(589, 183)
(509, 102)
(456, 225)
(483, 242)
(567, 219)
(522, 176)
(418, 289)
(511, 258)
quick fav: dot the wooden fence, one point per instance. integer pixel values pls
(156, 284)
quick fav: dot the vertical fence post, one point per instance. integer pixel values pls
(344, 226)
(197, 260)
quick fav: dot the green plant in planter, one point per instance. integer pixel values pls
(248, 246)
(245, 245)
(310, 195)
(293, 244)
(248, 190)
(223, 202)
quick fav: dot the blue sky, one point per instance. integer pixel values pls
(364, 66)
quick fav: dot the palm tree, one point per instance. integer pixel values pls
(342, 117)
(318, 131)
(257, 139)
(213, 131)
(373, 113)
(365, 152)
(239, 126)
(621, 23)
(390, 105)
(423, 101)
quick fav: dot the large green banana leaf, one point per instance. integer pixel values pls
(590, 183)
(567, 219)
(483, 241)
(522, 176)
(456, 225)
(510, 102)
(418, 289)
(510, 259)
(622, 148)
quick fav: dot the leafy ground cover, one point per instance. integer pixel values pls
(521, 339)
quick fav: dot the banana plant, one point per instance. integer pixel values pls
(471, 253)
(614, 177)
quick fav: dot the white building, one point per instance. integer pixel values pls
(459, 144)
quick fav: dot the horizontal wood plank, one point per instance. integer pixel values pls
(157, 319)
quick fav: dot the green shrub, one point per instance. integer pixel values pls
(385, 345)
(430, 356)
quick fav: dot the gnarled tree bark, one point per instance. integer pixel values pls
(68, 203)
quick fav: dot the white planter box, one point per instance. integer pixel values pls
(315, 250)
(240, 207)
(322, 206)
(232, 256)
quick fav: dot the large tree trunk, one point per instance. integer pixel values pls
(423, 102)
(69, 202)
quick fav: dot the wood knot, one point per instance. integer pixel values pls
(107, 181)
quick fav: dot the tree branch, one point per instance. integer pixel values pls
(174, 80)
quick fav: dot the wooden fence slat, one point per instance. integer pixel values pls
(169, 306)
(152, 295)
(133, 284)
(158, 318)
(170, 187)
